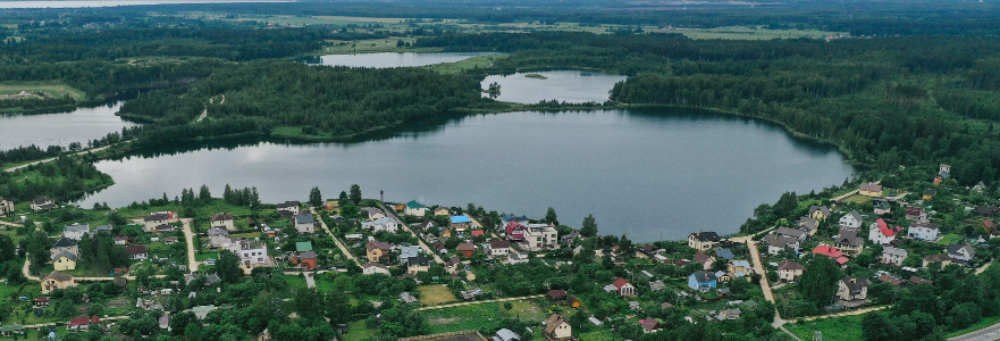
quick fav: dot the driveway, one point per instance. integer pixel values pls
(988, 334)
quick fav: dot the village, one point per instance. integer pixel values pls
(478, 275)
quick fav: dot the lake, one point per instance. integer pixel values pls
(79, 125)
(651, 174)
(564, 86)
(393, 59)
(113, 3)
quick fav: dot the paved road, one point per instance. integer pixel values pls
(343, 249)
(987, 334)
(480, 302)
(427, 249)
(189, 237)
(52, 159)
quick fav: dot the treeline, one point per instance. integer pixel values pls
(62, 179)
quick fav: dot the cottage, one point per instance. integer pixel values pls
(466, 249)
(573, 235)
(832, 252)
(442, 211)
(650, 325)
(853, 291)
(890, 279)
(789, 271)
(705, 260)
(959, 252)
(557, 328)
(739, 268)
(943, 259)
(923, 231)
(453, 265)
(657, 286)
(498, 248)
(556, 295)
(870, 189)
(881, 207)
(305, 223)
(914, 280)
(916, 214)
(944, 171)
(623, 288)
(43, 203)
(374, 268)
(218, 237)
(155, 220)
(731, 314)
(82, 324)
(251, 253)
(371, 213)
(819, 212)
(517, 258)
(703, 241)
(289, 208)
(574, 302)
(223, 220)
(880, 233)
(929, 193)
(790, 233)
(851, 221)
(417, 265)
(42, 302)
(64, 261)
(57, 281)
(6, 207)
(76, 231)
(893, 256)
(849, 242)
(137, 252)
(775, 244)
(415, 209)
(702, 281)
(986, 211)
(170, 240)
(378, 251)
(305, 260)
(381, 224)
(808, 225)
(506, 335)
(724, 254)
(64, 245)
(121, 240)
(515, 231)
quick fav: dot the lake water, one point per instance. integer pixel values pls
(78, 125)
(564, 86)
(393, 59)
(112, 3)
(653, 175)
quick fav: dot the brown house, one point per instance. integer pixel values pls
(466, 249)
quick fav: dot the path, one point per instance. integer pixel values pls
(427, 249)
(748, 238)
(985, 334)
(204, 113)
(462, 304)
(844, 313)
(343, 249)
(82, 152)
(110, 318)
(856, 191)
(189, 238)
(310, 280)
(758, 267)
(983, 268)
(10, 224)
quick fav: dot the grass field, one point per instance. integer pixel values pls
(847, 328)
(482, 316)
(357, 331)
(858, 199)
(372, 45)
(481, 62)
(985, 322)
(435, 294)
(949, 239)
(55, 89)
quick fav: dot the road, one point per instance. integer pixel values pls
(204, 113)
(189, 238)
(10, 224)
(481, 302)
(986, 334)
(343, 249)
(52, 159)
(983, 268)
(758, 267)
(844, 313)
(427, 249)
(110, 318)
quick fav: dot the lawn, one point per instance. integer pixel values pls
(372, 45)
(847, 328)
(482, 316)
(949, 239)
(55, 89)
(431, 295)
(357, 331)
(858, 199)
(745, 33)
(481, 62)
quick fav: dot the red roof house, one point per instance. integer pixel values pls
(828, 251)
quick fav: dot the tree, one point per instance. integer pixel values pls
(508, 306)
(356, 194)
(228, 267)
(550, 216)
(204, 195)
(589, 228)
(315, 197)
(819, 284)
(7, 248)
(877, 327)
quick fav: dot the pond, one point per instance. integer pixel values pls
(393, 59)
(651, 174)
(79, 125)
(563, 86)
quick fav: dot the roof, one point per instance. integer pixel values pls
(823, 209)
(658, 285)
(827, 250)
(937, 258)
(304, 218)
(66, 254)
(218, 231)
(157, 216)
(789, 232)
(499, 244)
(304, 246)
(384, 246)
(931, 226)
(705, 236)
(889, 279)
(849, 238)
(703, 276)
(507, 335)
(741, 263)
(64, 242)
(790, 265)
(79, 321)
(418, 261)
(41, 200)
(856, 284)
(556, 293)
(913, 210)
(204, 309)
(726, 254)
(222, 216)
(414, 204)
(135, 249)
(460, 219)
(307, 255)
(619, 283)
(954, 248)
(894, 251)
(930, 191)
(373, 265)
(870, 187)
(58, 276)
(919, 280)
(701, 257)
(855, 214)
(649, 324)
(552, 322)
(77, 227)
(10, 328)
(477, 233)
(466, 247)
(779, 241)
(884, 228)
(452, 262)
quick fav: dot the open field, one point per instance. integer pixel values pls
(357, 331)
(55, 89)
(481, 62)
(479, 316)
(372, 45)
(949, 239)
(858, 199)
(435, 294)
(847, 328)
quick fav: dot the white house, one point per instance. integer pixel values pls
(76, 231)
(43, 203)
(556, 328)
(155, 220)
(6, 207)
(415, 209)
(137, 252)
(923, 231)
(289, 208)
(375, 268)
(498, 248)
(961, 252)
(250, 253)
(381, 224)
(218, 237)
(223, 220)
(894, 256)
(304, 223)
(851, 221)
(880, 233)
(777, 243)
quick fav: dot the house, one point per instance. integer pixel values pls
(459, 222)
(944, 171)
(573, 235)
(121, 240)
(137, 252)
(155, 220)
(218, 237)
(705, 260)
(557, 328)
(808, 225)
(453, 265)
(76, 231)
(870, 189)
(731, 314)
(789, 271)
(64, 261)
(914, 280)
(916, 214)
(881, 207)
(201, 312)
(989, 226)
(506, 335)
(790, 233)
(223, 220)
(415, 209)
(498, 248)
(832, 252)
(516, 258)
(64, 245)
(305, 223)
(986, 211)
(702, 281)
(556, 295)
(374, 268)
(42, 302)
(634, 305)
(650, 325)
(378, 251)
(890, 279)
(426, 224)
(478, 233)
(541, 237)
(417, 265)
(739, 268)
(305, 260)
(849, 242)
(725, 254)
(775, 244)
(82, 324)
(164, 228)
(959, 252)
(573, 301)
(923, 231)
(943, 259)
(623, 288)
(57, 281)
(43, 203)
(852, 290)
(515, 231)
(851, 221)
(819, 212)
(289, 208)
(466, 249)
(893, 256)
(381, 224)
(371, 213)
(251, 253)
(880, 233)
(929, 193)
(442, 211)
(657, 286)
(6, 207)
(12, 330)
(703, 241)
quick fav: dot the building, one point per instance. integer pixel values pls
(442, 211)
(305, 223)
(415, 209)
(706, 261)
(459, 223)
(851, 221)
(516, 258)
(819, 212)
(155, 220)
(880, 233)
(499, 248)
(223, 220)
(371, 213)
(64, 261)
(378, 251)
(506, 335)
(64, 245)
(6, 207)
(453, 265)
(541, 237)
(43, 203)
(940, 258)
(703, 241)
(849, 242)
(789, 271)
(790, 233)
(881, 207)
(852, 290)
(82, 324)
(893, 256)
(739, 268)
(289, 208)
(916, 214)
(417, 265)
(374, 268)
(514, 231)
(623, 288)
(557, 328)
(702, 281)
(650, 325)
(944, 171)
(76, 231)
(808, 225)
(57, 281)
(775, 244)
(466, 249)
(218, 237)
(381, 224)
(137, 252)
(251, 253)
(929, 193)
(923, 231)
(305, 260)
(959, 252)
(870, 189)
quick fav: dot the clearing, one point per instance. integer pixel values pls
(50, 88)
(847, 328)
(435, 294)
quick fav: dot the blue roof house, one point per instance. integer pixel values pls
(702, 281)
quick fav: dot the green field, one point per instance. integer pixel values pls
(858, 199)
(431, 295)
(372, 45)
(480, 62)
(847, 328)
(482, 316)
(55, 89)
(949, 239)
(985, 322)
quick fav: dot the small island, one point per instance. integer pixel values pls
(536, 76)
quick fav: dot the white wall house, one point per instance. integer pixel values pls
(923, 231)
(304, 223)
(381, 224)
(851, 221)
